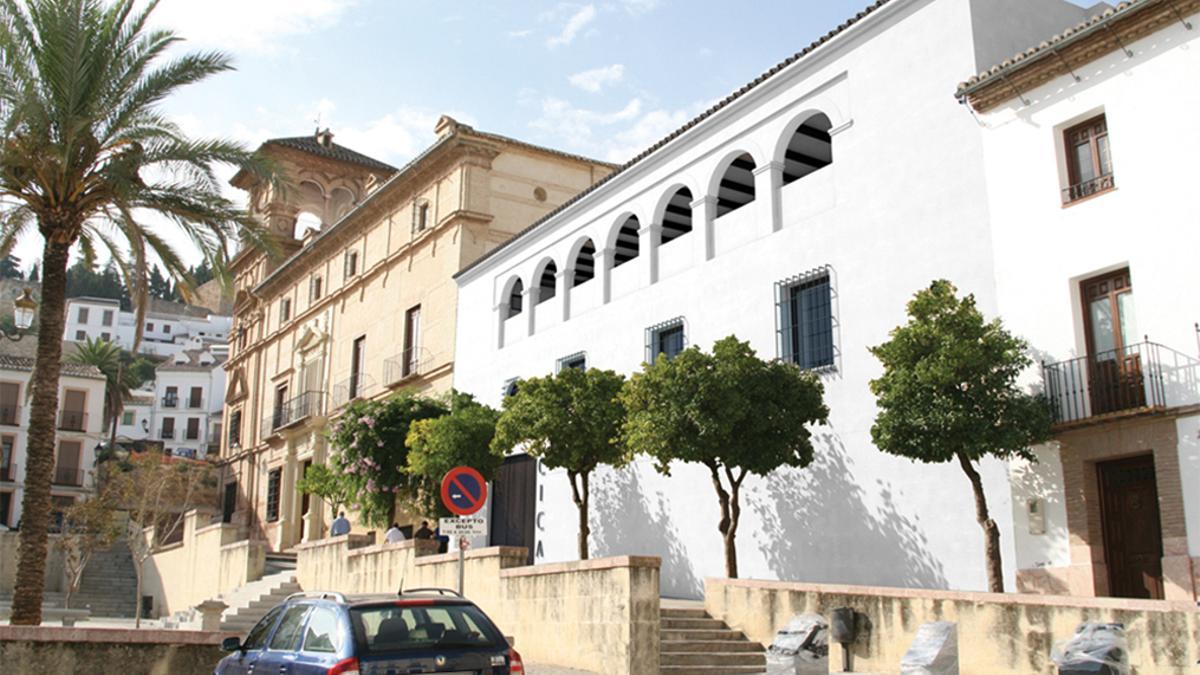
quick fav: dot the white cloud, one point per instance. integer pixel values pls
(576, 23)
(520, 34)
(614, 136)
(259, 26)
(595, 79)
(637, 7)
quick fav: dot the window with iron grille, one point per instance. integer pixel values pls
(806, 321)
(578, 361)
(667, 339)
(1089, 164)
(274, 478)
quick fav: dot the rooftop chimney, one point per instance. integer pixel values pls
(324, 138)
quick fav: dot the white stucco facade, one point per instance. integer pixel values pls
(164, 334)
(1044, 249)
(189, 391)
(904, 202)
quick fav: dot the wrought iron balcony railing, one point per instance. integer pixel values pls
(167, 434)
(407, 364)
(68, 476)
(72, 420)
(195, 402)
(170, 402)
(352, 388)
(1140, 377)
(295, 410)
(1088, 188)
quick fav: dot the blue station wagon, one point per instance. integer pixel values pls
(420, 631)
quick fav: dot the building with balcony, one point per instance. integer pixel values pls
(362, 302)
(187, 404)
(79, 423)
(1093, 231)
(801, 214)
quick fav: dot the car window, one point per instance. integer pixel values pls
(387, 628)
(322, 634)
(257, 637)
(289, 628)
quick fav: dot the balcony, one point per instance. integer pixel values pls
(294, 411)
(407, 365)
(352, 388)
(1138, 379)
(8, 474)
(68, 476)
(166, 434)
(10, 415)
(170, 401)
(1087, 189)
(195, 403)
(72, 420)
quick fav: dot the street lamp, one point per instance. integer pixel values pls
(23, 309)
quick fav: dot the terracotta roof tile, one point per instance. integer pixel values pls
(310, 145)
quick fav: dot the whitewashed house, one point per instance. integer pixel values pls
(170, 327)
(79, 423)
(189, 393)
(800, 214)
(1093, 232)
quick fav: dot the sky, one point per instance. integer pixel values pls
(605, 78)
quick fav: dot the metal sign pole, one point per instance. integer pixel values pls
(461, 555)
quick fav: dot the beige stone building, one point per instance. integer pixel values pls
(360, 302)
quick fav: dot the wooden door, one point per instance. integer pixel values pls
(10, 393)
(514, 503)
(1132, 531)
(229, 502)
(74, 406)
(1114, 363)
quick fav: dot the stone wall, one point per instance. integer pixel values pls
(595, 614)
(996, 632)
(55, 575)
(101, 651)
(207, 562)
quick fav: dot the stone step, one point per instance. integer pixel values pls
(688, 646)
(723, 635)
(692, 624)
(682, 613)
(714, 659)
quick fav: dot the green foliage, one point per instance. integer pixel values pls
(949, 386)
(462, 437)
(730, 411)
(160, 285)
(83, 280)
(35, 272)
(571, 420)
(370, 452)
(108, 358)
(326, 483)
(725, 409)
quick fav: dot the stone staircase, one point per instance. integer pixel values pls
(248, 604)
(109, 584)
(694, 642)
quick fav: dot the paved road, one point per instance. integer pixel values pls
(535, 669)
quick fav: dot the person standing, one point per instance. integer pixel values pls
(339, 526)
(423, 532)
(394, 534)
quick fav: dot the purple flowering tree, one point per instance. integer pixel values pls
(369, 454)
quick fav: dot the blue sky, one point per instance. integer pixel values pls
(604, 78)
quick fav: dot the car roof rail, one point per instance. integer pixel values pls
(440, 591)
(317, 595)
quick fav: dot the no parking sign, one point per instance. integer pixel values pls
(464, 491)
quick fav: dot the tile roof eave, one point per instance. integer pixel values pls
(1047, 48)
(674, 135)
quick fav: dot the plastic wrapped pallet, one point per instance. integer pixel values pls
(801, 647)
(1096, 648)
(934, 651)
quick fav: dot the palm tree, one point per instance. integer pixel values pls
(118, 382)
(86, 156)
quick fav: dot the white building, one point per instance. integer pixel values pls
(1093, 216)
(170, 327)
(189, 393)
(839, 183)
(80, 418)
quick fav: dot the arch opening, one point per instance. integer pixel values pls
(305, 221)
(547, 283)
(677, 217)
(737, 185)
(626, 247)
(516, 298)
(585, 263)
(810, 149)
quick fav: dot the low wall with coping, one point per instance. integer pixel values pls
(102, 651)
(578, 614)
(208, 561)
(996, 632)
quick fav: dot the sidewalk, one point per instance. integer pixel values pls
(535, 669)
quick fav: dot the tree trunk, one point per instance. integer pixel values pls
(580, 495)
(728, 525)
(991, 532)
(35, 506)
